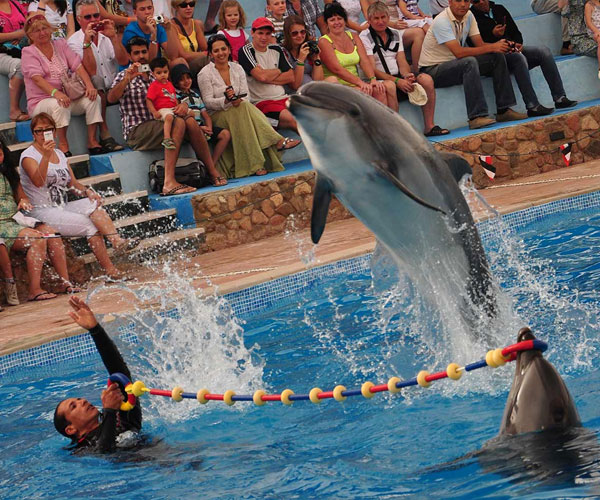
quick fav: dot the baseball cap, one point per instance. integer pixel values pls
(262, 22)
(418, 96)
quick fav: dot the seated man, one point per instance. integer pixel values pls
(77, 418)
(268, 71)
(145, 26)
(384, 47)
(101, 53)
(142, 131)
(522, 58)
(449, 61)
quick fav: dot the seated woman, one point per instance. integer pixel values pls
(30, 241)
(58, 13)
(46, 177)
(306, 62)
(190, 41)
(12, 20)
(256, 146)
(342, 52)
(45, 64)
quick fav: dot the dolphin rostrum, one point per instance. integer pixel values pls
(538, 399)
(391, 178)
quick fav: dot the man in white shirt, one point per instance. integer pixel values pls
(384, 46)
(101, 52)
(449, 61)
(268, 71)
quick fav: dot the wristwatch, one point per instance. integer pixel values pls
(318, 62)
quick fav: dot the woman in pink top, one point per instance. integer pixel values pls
(45, 63)
(12, 20)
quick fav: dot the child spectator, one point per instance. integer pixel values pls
(413, 15)
(217, 137)
(232, 18)
(592, 21)
(277, 14)
(162, 99)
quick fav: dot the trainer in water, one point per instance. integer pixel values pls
(538, 399)
(78, 419)
(391, 178)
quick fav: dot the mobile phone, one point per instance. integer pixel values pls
(48, 136)
(144, 68)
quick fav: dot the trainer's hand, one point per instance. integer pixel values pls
(82, 314)
(112, 397)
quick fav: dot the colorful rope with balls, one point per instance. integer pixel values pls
(493, 359)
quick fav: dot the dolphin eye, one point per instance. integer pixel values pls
(354, 111)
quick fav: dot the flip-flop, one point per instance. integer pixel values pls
(437, 130)
(219, 181)
(39, 297)
(260, 172)
(174, 191)
(70, 289)
(287, 144)
(21, 117)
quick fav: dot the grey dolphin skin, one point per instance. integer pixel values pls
(538, 399)
(391, 178)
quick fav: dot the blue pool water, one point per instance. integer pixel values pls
(344, 330)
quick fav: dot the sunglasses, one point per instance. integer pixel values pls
(42, 130)
(183, 5)
(89, 17)
(296, 33)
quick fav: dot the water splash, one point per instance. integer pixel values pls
(304, 247)
(188, 340)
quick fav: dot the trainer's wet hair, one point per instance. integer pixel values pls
(61, 423)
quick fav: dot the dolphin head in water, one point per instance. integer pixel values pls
(539, 399)
(391, 178)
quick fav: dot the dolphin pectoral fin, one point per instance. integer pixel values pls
(458, 166)
(321, 200)
(384, 171)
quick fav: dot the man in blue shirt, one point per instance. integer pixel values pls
(146, 27)
(449, 61)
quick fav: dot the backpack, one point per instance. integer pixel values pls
(188, 171)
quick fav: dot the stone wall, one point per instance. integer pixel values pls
(519, 151)
(242, 215)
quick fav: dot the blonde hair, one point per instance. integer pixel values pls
(34, 20)
(231, 3)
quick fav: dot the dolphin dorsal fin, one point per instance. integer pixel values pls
(384, 170)
(458, 166)
(320, 208)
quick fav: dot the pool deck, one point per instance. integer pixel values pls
(236, 268)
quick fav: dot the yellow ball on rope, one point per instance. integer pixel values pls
(257, 398)
(227, 398)
(452, 371)
(177, 394)
(365, 390)
(285, 396)
(392, 388)
(421, 379)
(201, 396)
(337, 393)
(313, 395)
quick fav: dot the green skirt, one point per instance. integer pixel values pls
(253, 142)
(8, 227)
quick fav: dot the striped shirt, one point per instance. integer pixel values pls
(278, 24)
(132, 104)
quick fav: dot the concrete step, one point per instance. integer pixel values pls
(8, 132)
(105, 184)
(127, 204)
(144, 225)
(156, 246)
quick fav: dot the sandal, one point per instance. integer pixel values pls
(175, 191)
(437, 130)
(98, 150)
(260, 172)
(21, 117)
(168, 143)
(288, 143)
(42, 296)
(219, 181)
(71, 289)
(110, 145)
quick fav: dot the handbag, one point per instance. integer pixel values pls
(188, 171)
(73, 86)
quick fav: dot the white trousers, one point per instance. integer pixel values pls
(62, 116)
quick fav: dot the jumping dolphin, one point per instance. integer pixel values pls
(391, 178)
(538, 399)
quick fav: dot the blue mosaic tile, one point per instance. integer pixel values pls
(257, 299)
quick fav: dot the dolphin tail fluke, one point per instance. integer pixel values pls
(320, 208)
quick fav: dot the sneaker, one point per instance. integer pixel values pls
(10, 287)
(564, 102)
(539, 110)
(510, 115)
(480, 122)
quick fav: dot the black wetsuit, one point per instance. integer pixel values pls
(112, 422)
